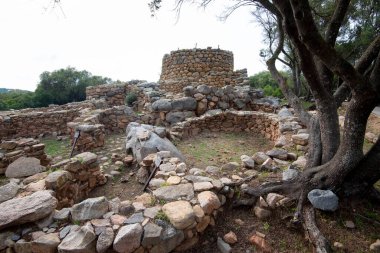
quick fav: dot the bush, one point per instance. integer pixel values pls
(272, 91)
(130, 98)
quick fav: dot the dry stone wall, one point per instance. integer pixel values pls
(13, 149)
(229, 121)
(74, 178)
(197, 101)
(212, 67)
(40, 121)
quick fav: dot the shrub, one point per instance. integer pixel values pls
(130, 98)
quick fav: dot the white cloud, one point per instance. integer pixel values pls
(115, 38)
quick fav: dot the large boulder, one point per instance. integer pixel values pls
(79, 240)
(128, 238)
(180, 213)
(184, 104)
(24, 167)
(142, 141)
(27, 209)
(174, 192)
(88, 209)
(175, 117)
(324, 200)
(162, 105)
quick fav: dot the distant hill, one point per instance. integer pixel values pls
(6, 90)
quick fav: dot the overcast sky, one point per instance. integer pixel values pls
(114, 38)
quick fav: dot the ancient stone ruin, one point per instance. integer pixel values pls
(44, 206)
(213, 67)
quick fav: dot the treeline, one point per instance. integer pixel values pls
(58, 87)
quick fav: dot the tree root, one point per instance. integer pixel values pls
(314, 235)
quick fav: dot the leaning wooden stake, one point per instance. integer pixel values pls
(157, 163)
(76, 137)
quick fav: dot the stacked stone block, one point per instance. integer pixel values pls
(11, 150)
(74, 178)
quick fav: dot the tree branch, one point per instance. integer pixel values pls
(336, 21)
(326, 53)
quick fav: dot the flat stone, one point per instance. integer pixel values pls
(173, 180)
(168, 167)
(144, 198)
(24, 167)
(80, 239)
(289, 174)
(180, 214)
(300, 162)
(156, 182)
(230, 166)
(118, 219)
(181, 168)
(230, 238)
(86, 158)
(135, 218)
(29, 209)
(105, 240)
(247, 161)
(62, 215)
(209, 201)
(175, 192)
(203, 186)
(170, 239)
(152, 235)
(8, 191)
(260, 157)
(281, 154)
(22, 246)
(323, 199)
(128, 238)
(57, 179)
(64, 232)
(35, 178)
(212, 170)
(152, 211)
(46, 244)
(300, 139)
(88, 209)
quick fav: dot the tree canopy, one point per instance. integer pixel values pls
(57, 87)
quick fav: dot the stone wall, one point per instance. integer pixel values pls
(40, 121)
(229, 121)
(74, 178)
(13, 149)
(213, 67)
(114, 94)
(197, 101)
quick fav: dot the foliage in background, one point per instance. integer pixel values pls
(65, 85)
(58, 87)
(263, 80)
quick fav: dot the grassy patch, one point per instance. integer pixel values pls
(218, 149)
(56, 148)
(161, 216)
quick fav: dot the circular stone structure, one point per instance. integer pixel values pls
(213, 67)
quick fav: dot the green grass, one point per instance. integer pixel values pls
(161, 216)
(56, 148)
